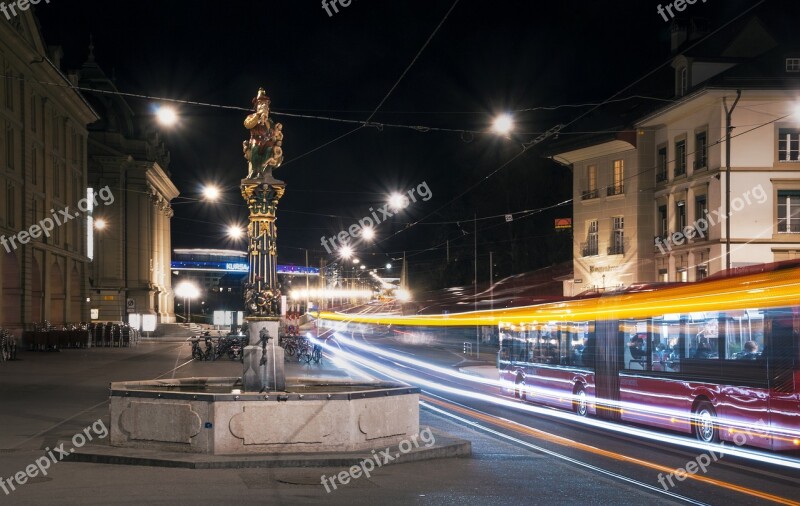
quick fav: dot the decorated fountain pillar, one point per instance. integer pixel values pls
(263, 367)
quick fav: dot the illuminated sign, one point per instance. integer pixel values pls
(237, 267)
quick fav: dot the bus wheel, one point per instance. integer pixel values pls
(581, 405)
(519, 389)
(705, 423)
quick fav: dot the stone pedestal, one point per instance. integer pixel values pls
(259, 374)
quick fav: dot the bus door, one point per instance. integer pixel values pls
(781, 350)
(608, 362)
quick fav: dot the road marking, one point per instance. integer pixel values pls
(520, 428)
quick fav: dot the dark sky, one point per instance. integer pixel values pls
(488, 57)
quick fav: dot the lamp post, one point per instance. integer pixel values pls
(728, 130)
(187, 291)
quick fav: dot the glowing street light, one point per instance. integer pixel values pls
(346, 252)
(388, 266)
(356, 261)
(398, 201)
(363, 267)
(235, 232)
(211, 193)
(187, 291)
(100, 224)
(166, 115)
(503, 124)
(368, 234)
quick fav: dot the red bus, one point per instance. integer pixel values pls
(713, 358)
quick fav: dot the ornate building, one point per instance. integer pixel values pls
(131, 266)
(43, 170)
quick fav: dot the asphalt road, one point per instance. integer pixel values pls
(45, 397)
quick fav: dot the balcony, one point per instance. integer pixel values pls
(590, 194)
(661, 176)
(615, 189)
(680, 170)
(616, 249)
(700, 164)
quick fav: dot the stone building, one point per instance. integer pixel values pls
(43, 170)
(650, 200)
(130, 272)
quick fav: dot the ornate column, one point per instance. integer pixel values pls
(263, 364)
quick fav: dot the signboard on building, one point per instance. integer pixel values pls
(130, 304)
(149, 322)
(563, 223)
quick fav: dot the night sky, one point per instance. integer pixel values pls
(487, 58)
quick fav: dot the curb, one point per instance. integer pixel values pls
(446, 446)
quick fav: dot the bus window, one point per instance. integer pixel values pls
(701, 336)
(580, 353)
(667, 351)
(636, 344)
(744, 334)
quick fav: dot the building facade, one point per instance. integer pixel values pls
(652, 203)
(130, 271)
(43, 170)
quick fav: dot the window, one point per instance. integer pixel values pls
(591, 182)
(9, 147)
(661, 164)
(700, 150)
(792, 64)
(663, 225)
(666, 339)
(33, 113)
(56, 177)
(617, 236)
(700, 220)
(590, 247)
(9, 87)
(702, 271)
(788, 144)
(680, 158)
(744, 334)
(617, 183)
(11, 210)
(34, 165)
(636, 344)
(788, 211)
(680, 215)
(701, 336)
(684, 81)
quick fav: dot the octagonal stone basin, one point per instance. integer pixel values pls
(212, 415)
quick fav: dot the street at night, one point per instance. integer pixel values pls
(440, 252)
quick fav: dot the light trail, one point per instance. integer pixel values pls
(517, 427)
(626, 430)
(660, 413)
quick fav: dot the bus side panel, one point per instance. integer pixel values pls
(666, 394)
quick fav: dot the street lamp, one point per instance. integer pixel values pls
(187, 291)
(166, 115)
(235, 232)
(368, 234)
(100, 224)
(211, 193)
(503, 124)
(398, 201)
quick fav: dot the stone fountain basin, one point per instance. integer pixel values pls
(213, 416)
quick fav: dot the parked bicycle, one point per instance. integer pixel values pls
(202, 354)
